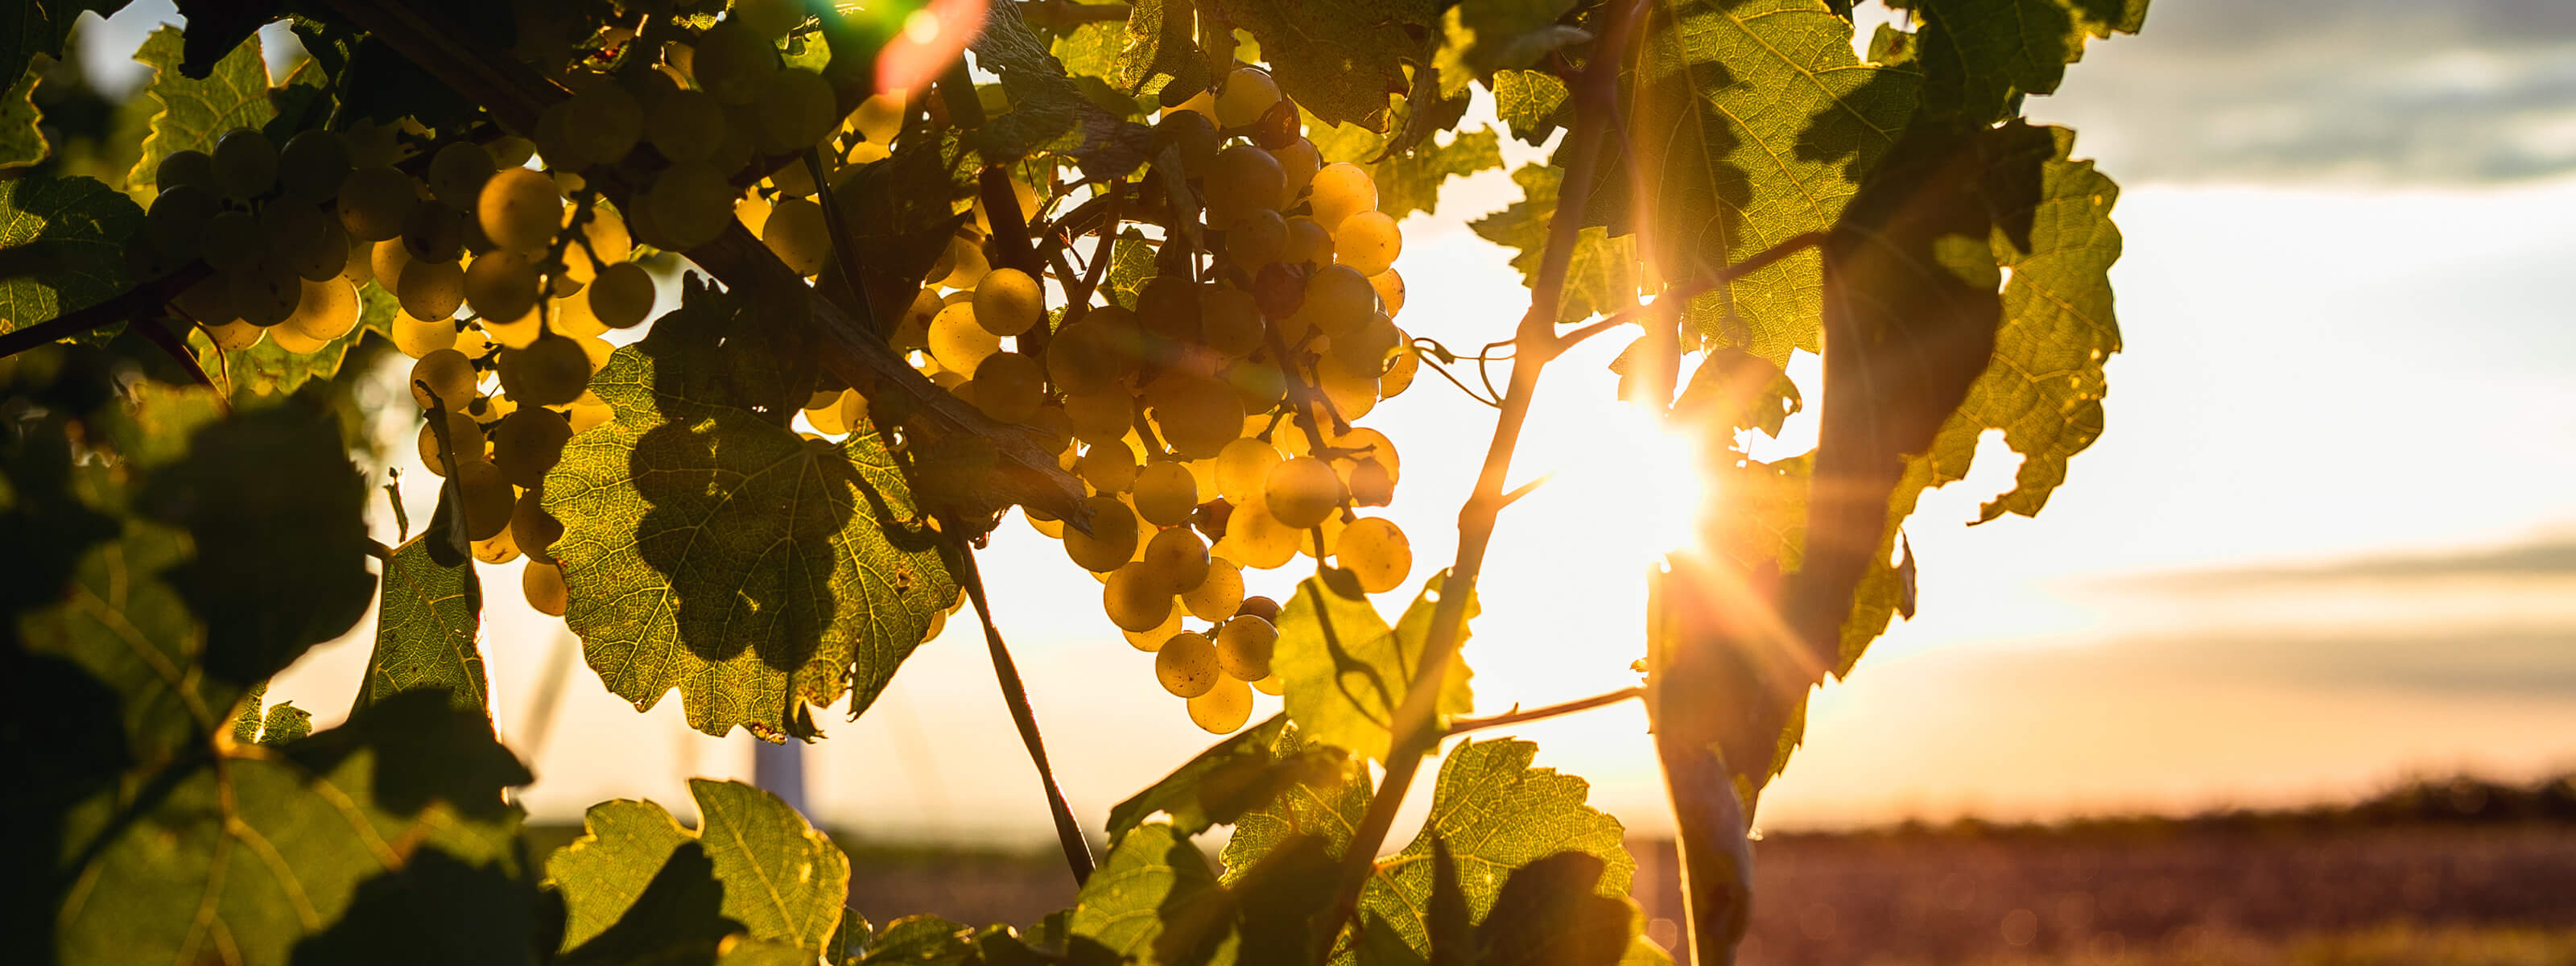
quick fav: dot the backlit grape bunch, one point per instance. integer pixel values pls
(1210, 421)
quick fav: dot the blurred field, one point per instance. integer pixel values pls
(2458, 872)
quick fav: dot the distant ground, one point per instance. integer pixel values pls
(2459, 872)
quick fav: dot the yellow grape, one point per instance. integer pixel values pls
(311, 166)
(1202, 103)
(966, 262)
(1223, 709)
(1342, 189)
(510, 150)
(1219, 594)
(431, 290)
(326, 310)
(531, 527)
(622, 296)
(1197, 415)
(691, 203)
(1319, 540)
(1153, 640)
(294, 342)
(1229, 321)
(177, 222)
(234, 336)
(605, 235)
(184, 169)
(832, 415)
(528, 442)
(1112, 540)
(234, 241)
(457, 173)
(1008, 302)
(501, 284)
(435, 233)
(1261, 607)
(357, 259)
(386, 261)
(1257, 383)
(1103, 417)
(1243, 647)
(1243, 179)
(1298, 161)
(687, 125)
(796, 234)
(1187, 665)
(1249, 93)
(1009, 387)
(753, 212)
(1368, 242)
(1352, 394)
(1257, 239)
(551, 371)
(1176, 560)
(489, 500)
(1256, 539)
(1109, 468)
(542, 583)
(1400, 372)
(445, 374)
(958, 341)
(1165, 494)
(1135, 599)
(303, 239)
(880, 117)
(1365, 352)
(1269, 685)
(1022, 193)
(1243, 468)
(795, 110)
(1390, 290)
(520, 209)
(497, 549)
(603, 122)
(1301, 492)
(1308, 243)
(518, 333)
(463, 436)
(265, 293)
(1367, 444)
(1376, 551)
(245, 163)
(1338, 301)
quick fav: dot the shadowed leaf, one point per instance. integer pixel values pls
(62, 246)
(1345, 671)
(426, 630)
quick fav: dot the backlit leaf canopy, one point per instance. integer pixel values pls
(1345, 671)
(195, 113)
(62, 246)
(1048, 111)
(708, 548)
(1244, 772)
(636, 882)
(426, 630)
(42, 27)
(1339, 59)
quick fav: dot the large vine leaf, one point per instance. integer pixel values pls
(1980, 57)
(709, 548)
(1157, 55)
(1410, 181)
(62, 246)
(426, 630)
(1048, 110)
(1601, 277)
(1153, 900)
(1751, 122)
(1533, 103)
(1345, 671)
(1326, 808)
(1479, 38)
(386, 839)
(1237, 775)
(195, 113)
(1340, 59)
(638, 883)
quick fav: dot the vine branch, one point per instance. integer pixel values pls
(1461, 726)
(1015, 694)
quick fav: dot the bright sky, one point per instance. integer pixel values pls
(2347, 341)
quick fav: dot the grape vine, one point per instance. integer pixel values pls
(737, 327)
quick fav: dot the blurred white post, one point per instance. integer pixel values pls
(780, 770)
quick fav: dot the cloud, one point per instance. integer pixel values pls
(2550, 557)
(2370, 92)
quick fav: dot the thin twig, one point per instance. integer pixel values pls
(154, 332)
(1414, 723)
(1528, 488)
(137, 302)
(845, 253)
(1068, 833)
(1461, 726)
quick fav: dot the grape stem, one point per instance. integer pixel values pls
(161, 336)
(1461, 726)
(1015, 694)
(1415, 726)
(141, 301)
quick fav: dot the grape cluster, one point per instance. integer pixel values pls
(1211, 421)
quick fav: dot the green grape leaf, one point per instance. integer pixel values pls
(43, 28)
(426, 630)
(901, 214)
(636, 881)
(1239, 774)
(1345, 671)
(1753, 122)
(709, 548)
(1410, 181)
(1048, 110)
(1131, 265)
(1533, 103)
(1153, 899)
(285, 722)
(921, 940)
(1602, 275)
(266, 370)
(387, 833)
(1494, 814)
(20, 141)
(62, 246)
(1327, 808)
(1478, 39)
(195, 113)
(1979, 57)
(1340, 59)
(1157, 55)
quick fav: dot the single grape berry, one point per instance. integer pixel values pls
(1243, 647)
(1224, 708)
(1187, 665)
